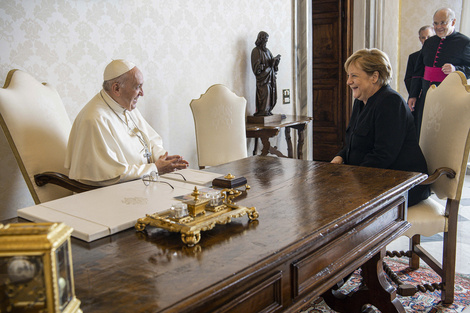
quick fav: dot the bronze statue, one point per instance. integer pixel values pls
(265, 68)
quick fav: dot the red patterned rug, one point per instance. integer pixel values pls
(428, 302)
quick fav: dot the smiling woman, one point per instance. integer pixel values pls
(362, 85)
(381, 132)
(368, 71)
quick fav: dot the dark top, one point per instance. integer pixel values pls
(382, 134)
(453, 49)
(410, 67)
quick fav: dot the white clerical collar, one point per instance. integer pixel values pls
(453, 32)
(113, 104)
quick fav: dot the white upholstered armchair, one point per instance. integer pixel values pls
(37, 128)
(219, 120)
(445, 143)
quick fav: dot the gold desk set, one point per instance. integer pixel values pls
(202, 213)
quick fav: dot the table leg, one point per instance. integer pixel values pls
(300, 144)
(375, 290)
(290, 153)
(266, 145)
(267, 148)
(256, 146)
(264, 135)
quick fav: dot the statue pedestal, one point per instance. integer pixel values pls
(264, 119)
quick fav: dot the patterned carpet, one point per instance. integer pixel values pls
(428, 302)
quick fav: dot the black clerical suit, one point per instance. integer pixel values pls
(410, 67)
(436, 51)
(382, 134)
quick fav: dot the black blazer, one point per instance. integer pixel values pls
(382, 134)
(410, 67)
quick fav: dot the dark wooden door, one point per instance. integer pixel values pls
(332, 44)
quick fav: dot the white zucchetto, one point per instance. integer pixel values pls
(117, 68)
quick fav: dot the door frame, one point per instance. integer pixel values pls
(303, 59)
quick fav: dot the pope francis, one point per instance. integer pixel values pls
(110, 141)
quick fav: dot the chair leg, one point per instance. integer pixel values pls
(448, 268)
(414, 258)
(449, 253)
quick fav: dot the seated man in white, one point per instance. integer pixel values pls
(110, 141)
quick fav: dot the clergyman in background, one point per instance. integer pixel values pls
(442, 54)
(423, 34)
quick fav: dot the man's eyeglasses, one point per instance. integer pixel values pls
(440, 23)
(184, 178)
(153, 177)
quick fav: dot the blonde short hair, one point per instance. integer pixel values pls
(370, 61)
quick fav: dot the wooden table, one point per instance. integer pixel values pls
(269, 130)
(318, 223)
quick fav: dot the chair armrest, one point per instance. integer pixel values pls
(450, 173)
(61, 180)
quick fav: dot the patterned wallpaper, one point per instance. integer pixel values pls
(182, 47)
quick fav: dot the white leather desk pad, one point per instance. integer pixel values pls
(101, 212)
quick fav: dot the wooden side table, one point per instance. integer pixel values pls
(269, 130)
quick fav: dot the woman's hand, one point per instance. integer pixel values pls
(337, 160)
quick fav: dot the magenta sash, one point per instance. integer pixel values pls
(434, 74)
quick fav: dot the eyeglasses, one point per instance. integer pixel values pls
(440, 23)
(154, 178)
(184, 178)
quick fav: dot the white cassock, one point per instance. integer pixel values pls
(107, 144)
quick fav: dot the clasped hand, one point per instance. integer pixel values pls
(169, 163)
(448, 68)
